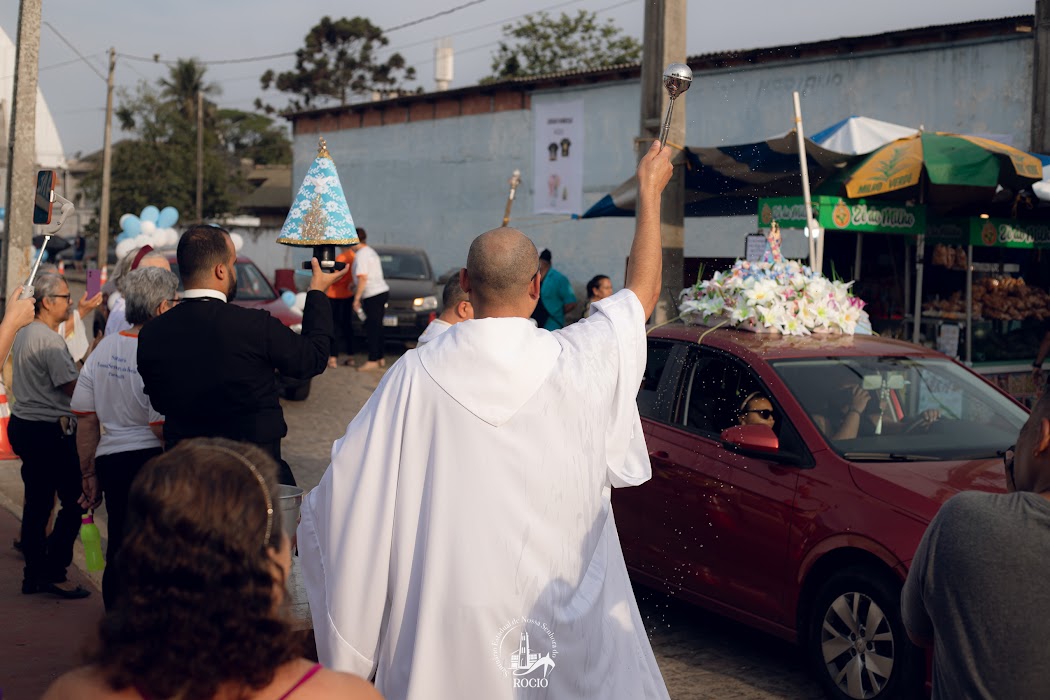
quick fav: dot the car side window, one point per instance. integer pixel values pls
(655, 394)
(715, 389)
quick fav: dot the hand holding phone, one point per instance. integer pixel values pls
(93, 282)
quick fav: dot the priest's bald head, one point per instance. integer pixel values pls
(501, 275)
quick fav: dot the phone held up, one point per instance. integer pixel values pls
(94, 282)
(45, 197)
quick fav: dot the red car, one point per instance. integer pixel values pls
(806, 529)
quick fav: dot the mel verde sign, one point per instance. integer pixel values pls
(837, 214)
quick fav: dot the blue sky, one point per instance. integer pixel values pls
(233, 29)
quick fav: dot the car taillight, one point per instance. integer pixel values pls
(432, 316)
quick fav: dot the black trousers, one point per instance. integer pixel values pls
(49, 465)
(115, 473)
(374, 309)
(272, 448)
(342, 322)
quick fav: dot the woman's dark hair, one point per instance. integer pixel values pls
(592, 286)
(197, 607)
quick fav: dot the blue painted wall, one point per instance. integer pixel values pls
(438, 184)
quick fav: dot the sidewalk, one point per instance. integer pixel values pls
(43, 635)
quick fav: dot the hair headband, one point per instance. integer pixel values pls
(143, 252)
(262, 483)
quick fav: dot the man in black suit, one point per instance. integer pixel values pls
(211, 367)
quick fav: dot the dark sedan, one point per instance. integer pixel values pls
(415, 296)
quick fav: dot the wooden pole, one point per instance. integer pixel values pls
(663, 44)
(21, 151)
(814, 258)
(107, 167)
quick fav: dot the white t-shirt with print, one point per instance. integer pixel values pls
(110, 386)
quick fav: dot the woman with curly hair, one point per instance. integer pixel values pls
(203, 568)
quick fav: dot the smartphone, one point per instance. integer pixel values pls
(45, 190)
(94, 282)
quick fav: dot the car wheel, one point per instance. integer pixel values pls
(856, 643)
(297, 392)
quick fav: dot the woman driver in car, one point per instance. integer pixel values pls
(848, 415)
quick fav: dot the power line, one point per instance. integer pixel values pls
(433, 16)
(53, 65)
(251, 59)
(485, 26)
(66, 42)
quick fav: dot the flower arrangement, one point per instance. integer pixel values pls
(774, 295)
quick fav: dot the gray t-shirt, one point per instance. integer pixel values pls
(978, 587)
(41, 365)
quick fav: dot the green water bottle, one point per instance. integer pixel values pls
(92, 540)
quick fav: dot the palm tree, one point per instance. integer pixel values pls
(186, 79)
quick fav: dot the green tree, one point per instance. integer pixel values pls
(253, 136)
(186, 79)
(158, 163)
(338, 60)
(540, 44)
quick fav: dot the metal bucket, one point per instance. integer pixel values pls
(289, 499)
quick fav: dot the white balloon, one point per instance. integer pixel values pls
(124, 247)
(238, 241)
(171, 238)
(123, 217)
(300, 302)
(148, 227)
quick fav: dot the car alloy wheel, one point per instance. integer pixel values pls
(856, 640)
(857, 645)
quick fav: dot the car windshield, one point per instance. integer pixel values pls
(902, 408)
(404, 265)
(251, 284)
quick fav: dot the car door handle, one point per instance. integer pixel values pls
(659, 454)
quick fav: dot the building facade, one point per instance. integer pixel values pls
(431, 170)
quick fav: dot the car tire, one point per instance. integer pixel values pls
(297, 392)
(851, 661)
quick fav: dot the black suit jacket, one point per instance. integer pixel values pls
(209, 366)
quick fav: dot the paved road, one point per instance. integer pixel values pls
(702, 656)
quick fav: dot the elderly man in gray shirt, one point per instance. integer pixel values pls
(977, 590)
(42, 435)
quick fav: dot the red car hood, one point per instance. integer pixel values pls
(921, 487)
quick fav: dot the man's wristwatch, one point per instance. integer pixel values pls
(1037, 365)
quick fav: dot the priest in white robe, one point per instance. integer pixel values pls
(461, 544)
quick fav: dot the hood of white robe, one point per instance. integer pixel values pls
(491, 366)
(433, 330)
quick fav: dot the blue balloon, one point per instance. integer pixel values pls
(150, 213)
(288, 298)
(124, 236)
(133, 225)
(169, 216)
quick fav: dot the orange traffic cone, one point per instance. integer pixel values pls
(6, 452)
(61, 267)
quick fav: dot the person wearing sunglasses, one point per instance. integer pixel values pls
(976, 591)
(756, 409)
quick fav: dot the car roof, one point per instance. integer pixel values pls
(398, 249)
(773, 346)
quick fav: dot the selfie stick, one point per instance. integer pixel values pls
(49, 231)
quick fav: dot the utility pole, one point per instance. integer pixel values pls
(664, 43)
(107, 168)
(21, 152)
(200, 157)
